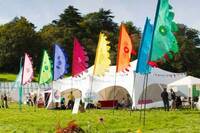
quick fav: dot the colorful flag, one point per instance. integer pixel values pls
(27, 74)
(80, 59)
(18, 85)
(45, 71)
(164, 41)
(60, 63)
(102, 60)
(18, 80)
(124, 50)
(144, 50)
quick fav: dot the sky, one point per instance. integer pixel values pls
(42, 12)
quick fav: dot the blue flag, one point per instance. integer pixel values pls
(144, 51)
(60, 63)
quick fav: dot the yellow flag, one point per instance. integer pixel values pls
(102, 60)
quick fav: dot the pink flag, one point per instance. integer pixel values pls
(27, 74)
(80, 59)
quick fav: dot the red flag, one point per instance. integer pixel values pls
(80, 59)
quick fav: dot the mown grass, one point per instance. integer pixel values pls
(45, 121)
(7, 77)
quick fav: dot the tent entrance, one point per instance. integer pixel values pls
(121, 95)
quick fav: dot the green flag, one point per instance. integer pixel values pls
(45, 71)
(164, 41)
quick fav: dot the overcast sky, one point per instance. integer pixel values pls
(42, 12)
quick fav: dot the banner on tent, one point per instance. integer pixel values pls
(169, 75)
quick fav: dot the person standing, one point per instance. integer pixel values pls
(2, 101)
(5, 98)
(30, 99)
(71, 100)
(35, 99)
(165, 99)
(173, 98)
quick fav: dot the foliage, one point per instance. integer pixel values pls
(17, 37)
(45, 121)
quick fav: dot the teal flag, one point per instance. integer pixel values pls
(18, 85)
(164, 41)
(144, 50)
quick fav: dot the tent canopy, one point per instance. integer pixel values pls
(186, 81)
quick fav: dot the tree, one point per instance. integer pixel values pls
(16, 38)
(70, 18)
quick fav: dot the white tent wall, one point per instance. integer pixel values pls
(79, 83)
(124, 80)
(185, 84)
(157, 76)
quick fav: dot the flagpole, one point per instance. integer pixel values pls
(71, 84)
(20, 88)
(143, 91)
(145, 95)
(134, 75)
(91, 87)
(114, 92)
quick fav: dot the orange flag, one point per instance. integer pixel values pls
(124, 49)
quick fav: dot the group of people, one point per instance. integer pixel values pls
(4, 101)
(31, 99)
(70, 103)
(125, 103)
(176, 101)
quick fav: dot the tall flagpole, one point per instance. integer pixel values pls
(91, 87)
(145, 96)
(143, 91)
(114, 92)
(134, 75)
(20, 87)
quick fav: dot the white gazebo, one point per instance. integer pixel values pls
(188, 81)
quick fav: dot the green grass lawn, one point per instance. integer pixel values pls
(7, 77)
(45, 121)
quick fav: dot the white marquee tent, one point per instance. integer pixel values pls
(101, 86)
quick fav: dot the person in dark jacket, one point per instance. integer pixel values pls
(173, 98)
(5, 98)
(165, 99)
